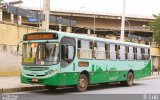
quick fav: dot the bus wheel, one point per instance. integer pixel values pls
(129, 82)
(50, 88)
(82, 83)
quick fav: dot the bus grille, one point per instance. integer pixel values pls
(36, 68)
(36, 75)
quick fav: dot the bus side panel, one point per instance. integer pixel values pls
(146, 71)
(111, 76)
(69, 78)
(98, 74)
(107, 71)
(112, 71)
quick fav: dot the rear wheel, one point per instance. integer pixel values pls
(129, 82)
(82, 83)
(51, 88)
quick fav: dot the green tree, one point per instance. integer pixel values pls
(155, 27)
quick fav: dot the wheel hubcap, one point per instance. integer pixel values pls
(82, 82)
(130, 79)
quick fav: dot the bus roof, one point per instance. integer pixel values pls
(81, 36)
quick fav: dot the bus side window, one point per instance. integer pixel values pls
(117, 51)
(122, 52)
(131, 54)
(85, 49)
(139, 53)
(112, 52)
(79, 46)
(126, 52)
(147, 54)
(142, 53)
(79, 43)
(99, 50)
(149, 51)
(135, 53)
(107, 50)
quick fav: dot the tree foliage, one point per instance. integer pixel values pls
(155, 27)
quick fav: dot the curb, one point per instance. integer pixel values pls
(20, 89)
(148, 78)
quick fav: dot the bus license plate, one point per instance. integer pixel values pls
(34, 80)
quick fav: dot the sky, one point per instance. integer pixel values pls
(133, 7)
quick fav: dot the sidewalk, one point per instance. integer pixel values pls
(154, 76)
(12, 84)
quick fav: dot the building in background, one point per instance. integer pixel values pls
(12, 28)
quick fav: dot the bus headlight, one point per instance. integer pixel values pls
(51, 72)
(54, 72)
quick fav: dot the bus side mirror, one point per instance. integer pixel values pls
(65, 52)
(18, 48)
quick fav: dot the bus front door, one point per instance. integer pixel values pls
(67, 61)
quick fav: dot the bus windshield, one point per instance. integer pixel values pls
(40, 53)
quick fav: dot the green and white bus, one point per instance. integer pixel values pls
(56, 59)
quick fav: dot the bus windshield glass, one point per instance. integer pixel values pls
(40, 53)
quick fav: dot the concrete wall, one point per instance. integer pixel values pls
(9, 61)
(10, 34)
(155, 51)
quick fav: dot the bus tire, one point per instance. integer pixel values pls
(82, 83)
(50, 88)
(129, 82)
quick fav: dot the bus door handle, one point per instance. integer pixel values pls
(74, 67)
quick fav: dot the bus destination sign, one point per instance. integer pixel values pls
(40, 36)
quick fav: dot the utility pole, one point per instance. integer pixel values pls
(19, 17)
(46, 9)
(94, 23)
(1, 14)
(1, 11)
(123, 21)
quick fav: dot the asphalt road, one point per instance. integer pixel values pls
(151, 86)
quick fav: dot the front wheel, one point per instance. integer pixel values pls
(129, 82)
(82, 83)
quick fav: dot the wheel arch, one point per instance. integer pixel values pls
(131, 71)
(87, 74)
